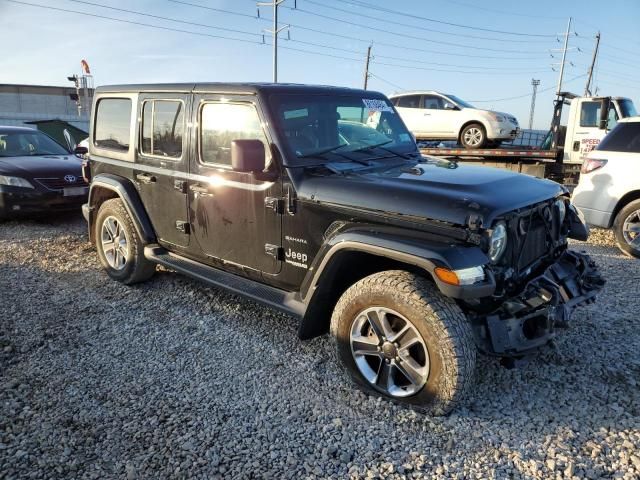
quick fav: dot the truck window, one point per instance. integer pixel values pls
(112, 124)
(624, 138)
(590, 114)
(409, 101)
(612, 119)
(162, 128)
(220, 124)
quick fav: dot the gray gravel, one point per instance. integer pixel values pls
(173, 379)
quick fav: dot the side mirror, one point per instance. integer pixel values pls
(80, 150)
(450, 106)
(247, 156)
(604, 113)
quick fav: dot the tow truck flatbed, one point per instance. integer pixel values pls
(486, 153)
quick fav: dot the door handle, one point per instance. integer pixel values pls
(146, 178)
(427, 114)
(201, 190)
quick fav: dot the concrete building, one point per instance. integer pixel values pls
(27, 103)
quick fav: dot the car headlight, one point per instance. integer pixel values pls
(497, 242)
(15, 181)
(561, 205)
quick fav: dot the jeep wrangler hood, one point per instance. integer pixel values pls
(442, 190)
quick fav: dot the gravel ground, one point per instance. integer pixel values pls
(173, 379)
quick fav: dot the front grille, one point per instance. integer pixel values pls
(60, 183)
(534, 245)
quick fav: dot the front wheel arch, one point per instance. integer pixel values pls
(471, 122)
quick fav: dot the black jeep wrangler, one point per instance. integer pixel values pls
(316, 200)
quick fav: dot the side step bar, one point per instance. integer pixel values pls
(274, 297)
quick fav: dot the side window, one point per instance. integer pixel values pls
(162, 128)
(590, 114)
(433, 102)
(612, 119)
(112, 124)
(409, 101)
(220, 124)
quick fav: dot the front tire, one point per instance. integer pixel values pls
(120, 250)
(398, 337)
(473, 136)
(626, 228)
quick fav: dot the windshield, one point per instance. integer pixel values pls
(460, 102)
(26, 143)
(627, 108)
(334, 128)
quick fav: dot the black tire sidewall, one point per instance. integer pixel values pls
(618, 225)
(114, 208)
(484, 136)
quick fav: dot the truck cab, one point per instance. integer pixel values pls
(589, 120)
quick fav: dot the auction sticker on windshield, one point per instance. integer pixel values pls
(377, 105)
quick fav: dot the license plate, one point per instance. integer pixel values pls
(75, 191)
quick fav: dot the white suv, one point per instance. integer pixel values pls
(436, 116)
(608, 193)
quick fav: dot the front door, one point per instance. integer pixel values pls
(161, 165)
(587, 134)
(232, 213)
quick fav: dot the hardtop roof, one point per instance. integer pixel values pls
(239, 88)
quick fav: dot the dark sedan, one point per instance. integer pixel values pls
(37, 174)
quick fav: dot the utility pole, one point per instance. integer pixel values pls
(275, 4)
(535, 84)
(564, 56)
(587, 88)
(366, 67)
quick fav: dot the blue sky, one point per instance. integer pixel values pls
(45, 45)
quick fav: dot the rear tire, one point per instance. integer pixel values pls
(120, 250)
(437, 348)
(626, 228)
(473, 136)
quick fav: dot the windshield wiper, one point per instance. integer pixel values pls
(371, 147)
(322, 151)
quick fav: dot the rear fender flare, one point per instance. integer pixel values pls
(127, 192)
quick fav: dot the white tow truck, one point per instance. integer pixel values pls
(560, 155)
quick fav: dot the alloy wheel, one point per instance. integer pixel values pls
(472, 136)
(389, 352)
(631, 229)
(114, 243)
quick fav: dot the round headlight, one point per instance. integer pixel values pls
(498, 242)
(561, 205)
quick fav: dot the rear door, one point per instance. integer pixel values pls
(234, 222)
(162, 164)
(410, 109)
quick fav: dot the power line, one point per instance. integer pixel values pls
(412, 67)
(357, 39)
(386, 81)
(433, 20)
(418, 27)
(526, 94)
(502, 12)
(404, 35)
(131, 22)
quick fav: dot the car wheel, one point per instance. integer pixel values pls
(398, 337)
(120, 250)
(626, 228)
(473, 136)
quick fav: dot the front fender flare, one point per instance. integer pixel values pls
(406, 250)
(127, 192)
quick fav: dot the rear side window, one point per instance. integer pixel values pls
(112, 124)
(590, 114)
(409, 101)
(162, 128)
(624, 138)
(220, 124)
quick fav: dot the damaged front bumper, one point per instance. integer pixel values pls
(530, 319)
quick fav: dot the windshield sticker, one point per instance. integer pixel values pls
(302, 112)
(376, 105)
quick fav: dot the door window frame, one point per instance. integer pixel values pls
(224, 101)
(153, 110)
